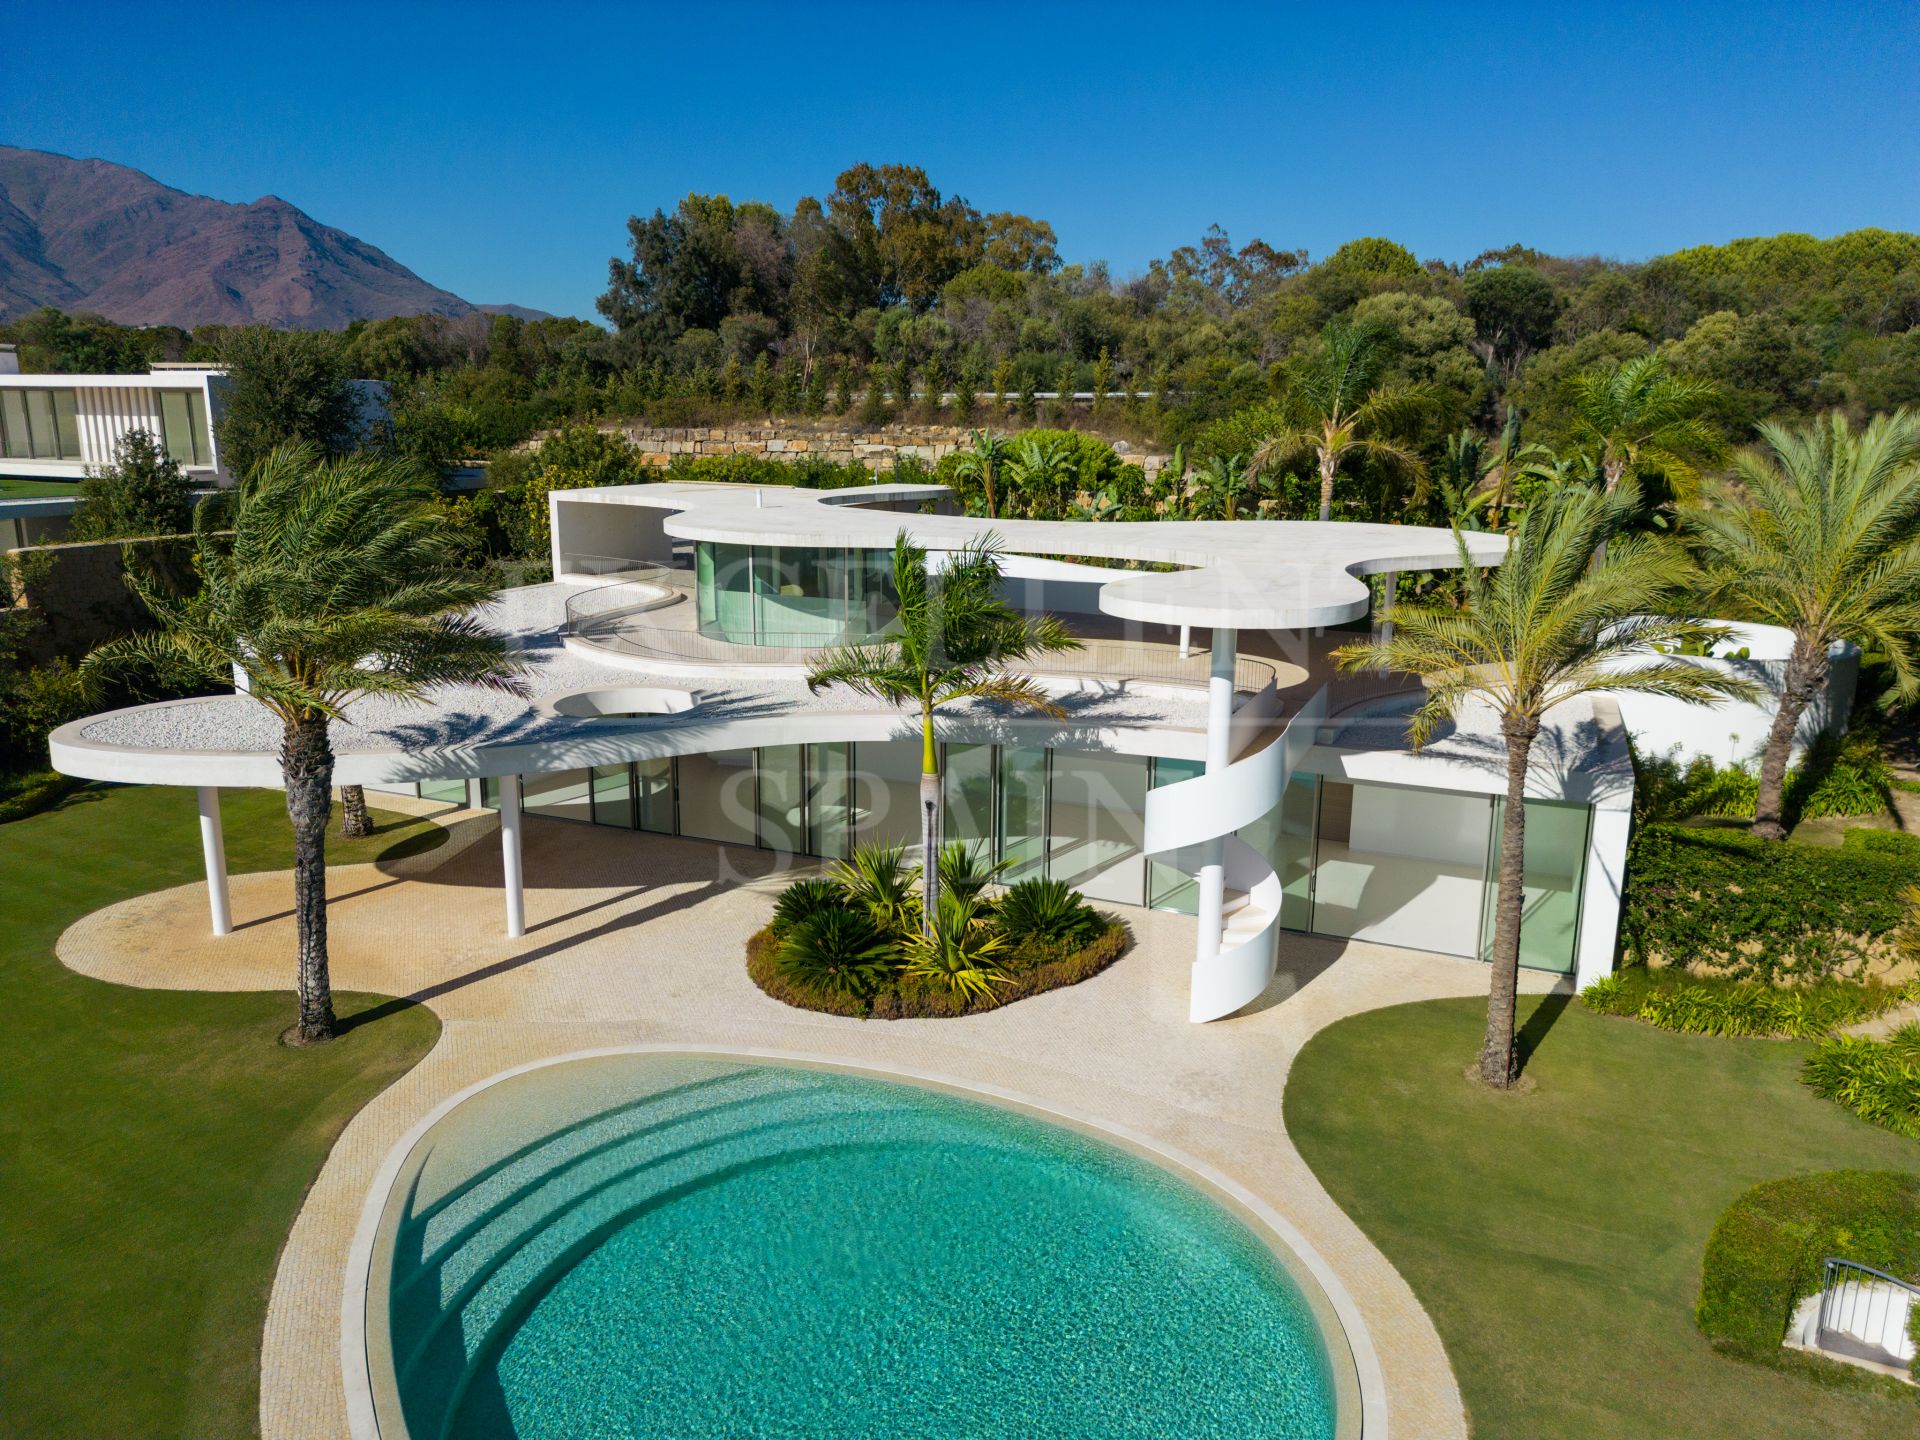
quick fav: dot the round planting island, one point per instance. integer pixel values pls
(651, 1244)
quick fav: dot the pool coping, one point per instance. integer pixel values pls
(1359, 1384)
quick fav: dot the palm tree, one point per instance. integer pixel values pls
(1554, 621)
(982, 464)
(1826, 544)
(1636, 417)
(1044, 471)
(338, 580)
(1337, 410)
(955, 640)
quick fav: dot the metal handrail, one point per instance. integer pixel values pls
(1834, 1280)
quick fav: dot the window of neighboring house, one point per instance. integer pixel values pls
(39, 425)
(183, 427)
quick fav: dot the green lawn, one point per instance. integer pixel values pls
(1555, 1237)
(12, 487)
(155, 1145)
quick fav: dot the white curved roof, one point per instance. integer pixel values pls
(1250, 574)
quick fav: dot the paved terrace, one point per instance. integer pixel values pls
(634, 939)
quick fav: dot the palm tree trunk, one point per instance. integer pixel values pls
(306, 762)
(355, 823)
(929, 824)
(1496, 1052)
(993, 507)
(1326, 485)
(1613, 470)
(1806, 676)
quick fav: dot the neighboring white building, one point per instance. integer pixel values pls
(54, 427)
(1211, 762)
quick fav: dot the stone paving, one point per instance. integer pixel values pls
(633, 939)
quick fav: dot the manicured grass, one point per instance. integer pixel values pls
(1556, 1236)
(12, 487)
(155, 1145)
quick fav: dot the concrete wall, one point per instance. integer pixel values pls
(1734, 732)
(81, 592)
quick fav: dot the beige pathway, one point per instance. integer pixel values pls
(635, 939)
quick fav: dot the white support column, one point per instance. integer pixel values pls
(510, 855)
(213, 849)
(1383, 613)
(1186, 640)
(1604, 882)
(1213, 874)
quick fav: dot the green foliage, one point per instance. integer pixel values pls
(839, 950)
(1047, 911)
(878, 880)
(1845, 776)
(284, 387)
(141, 493)
(29, 794)
(1757, 909)
(1879, 1080)
(962, 952)
(801, 901)
(966, 869)
(1030, 969)
(1765, 1253)
(1708, 1005)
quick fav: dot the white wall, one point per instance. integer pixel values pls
(1734, 732)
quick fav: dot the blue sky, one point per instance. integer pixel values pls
(498, 149)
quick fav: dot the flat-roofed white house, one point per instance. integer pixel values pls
(53, 427)
(1211, 761)
(57, 428)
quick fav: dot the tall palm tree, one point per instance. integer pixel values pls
(955, 639)
(982, 464)
(1337, 410)
(1636, 417)
(1043, 470)
(1827, 544)
(338, 580)
(1554, 621)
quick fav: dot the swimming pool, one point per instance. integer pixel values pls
(673, 1245)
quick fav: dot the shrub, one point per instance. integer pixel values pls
(1046, 911)
(878, 880)
(1757, 908)
(1848, 776)
(1030, 970)
(24, 795)
(840, 951)
(963, 953)
(1707, 1005)
(1879, 1080)
(966, 871)
(802, 900)
(1765, 1253)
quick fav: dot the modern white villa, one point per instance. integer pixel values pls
(59, 427)
(1212, 761)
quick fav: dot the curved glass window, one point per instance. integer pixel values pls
(799, 597)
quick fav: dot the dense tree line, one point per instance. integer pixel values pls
(886, 294)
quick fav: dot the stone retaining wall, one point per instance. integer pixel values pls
(877, 448)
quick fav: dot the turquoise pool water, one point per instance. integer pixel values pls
(678, 1246)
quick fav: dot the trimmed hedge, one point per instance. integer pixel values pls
(1707, 1005)
(1759, 909)
(1033, 969)
(24, 795)
(1764, 1256)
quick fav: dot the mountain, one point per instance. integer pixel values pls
(92, 235)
